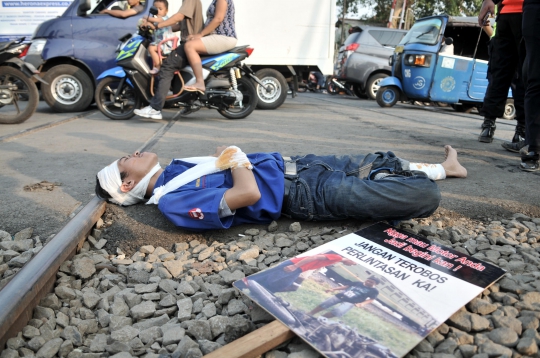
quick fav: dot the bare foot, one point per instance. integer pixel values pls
(451, 165)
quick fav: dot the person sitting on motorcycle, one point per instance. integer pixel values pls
(355, 294)
(217, 36)
(159, 35)
(135, 8)
(205, 193)
(190, 20)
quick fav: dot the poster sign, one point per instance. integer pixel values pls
(377, 292)
(19, 18)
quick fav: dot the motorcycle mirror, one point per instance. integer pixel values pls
(83, 8)
(153, 11)
(448, 40)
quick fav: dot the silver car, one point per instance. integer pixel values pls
(362, 61)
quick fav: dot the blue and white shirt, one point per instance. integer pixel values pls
(227, 26)
(162, 34)
(196, 205)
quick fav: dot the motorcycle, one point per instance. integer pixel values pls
(123, 89)
(335, 86)
(19, 95)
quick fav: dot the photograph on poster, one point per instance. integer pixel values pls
(377, 292)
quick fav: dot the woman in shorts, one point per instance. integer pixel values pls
(217, 36)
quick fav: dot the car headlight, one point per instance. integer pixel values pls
(418, 60)
(36, 47)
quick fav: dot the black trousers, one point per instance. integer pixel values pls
(531, 36)
(505, 64)
(174, 62)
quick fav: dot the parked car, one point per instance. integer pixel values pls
(362, 61)
(73, 49)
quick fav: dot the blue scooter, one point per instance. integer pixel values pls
(124, 88)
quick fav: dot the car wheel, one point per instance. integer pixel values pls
(276, 89)
(70, 89)
(373, 84)
(358, 91)
(509, 109)
(388, 96)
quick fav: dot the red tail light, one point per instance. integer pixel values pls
(25, 51)
(352, 47)
(249, 51)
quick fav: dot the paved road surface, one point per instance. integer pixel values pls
(70, 148)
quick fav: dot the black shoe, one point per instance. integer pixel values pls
(488, 130)
(519, 134)
(513, 147)
(529, 162)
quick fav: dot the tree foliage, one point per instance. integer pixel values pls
(421, 8)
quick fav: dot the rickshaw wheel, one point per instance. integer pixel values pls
(388, 96)
(509, 110)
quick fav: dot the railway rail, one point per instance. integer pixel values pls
(37, 278)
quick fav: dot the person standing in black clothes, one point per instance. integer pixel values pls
(531, 68)
(506, 60)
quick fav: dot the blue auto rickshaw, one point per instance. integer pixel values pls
(420, 72)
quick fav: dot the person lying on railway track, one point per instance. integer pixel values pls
(232, 188)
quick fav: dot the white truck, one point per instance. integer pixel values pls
(290, 39)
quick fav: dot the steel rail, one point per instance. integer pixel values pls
(36, 279)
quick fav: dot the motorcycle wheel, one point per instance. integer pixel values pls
(121, 108)
(18, 105)
(249, 101)
(331, 87)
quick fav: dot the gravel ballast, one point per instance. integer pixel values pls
(179, 301)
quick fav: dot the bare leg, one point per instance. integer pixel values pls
(193, 48)
(155, 58)
(451, 164)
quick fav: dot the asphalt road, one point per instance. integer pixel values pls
(68, 149)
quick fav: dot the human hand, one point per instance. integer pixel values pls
(232, 158)
(219, 150)
(194, 37)
(488, 7)
(289, 268)
(104, 11)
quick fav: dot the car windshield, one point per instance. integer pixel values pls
(423, 32)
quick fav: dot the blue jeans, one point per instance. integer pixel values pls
(339, 187)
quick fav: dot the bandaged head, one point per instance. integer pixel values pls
(110, 181)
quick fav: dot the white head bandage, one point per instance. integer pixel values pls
(109, 180)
